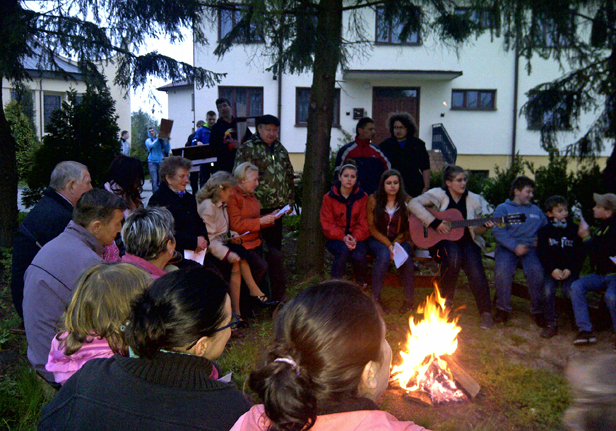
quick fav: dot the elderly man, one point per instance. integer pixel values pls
(44, 222)
(276, 187)
(52, 275)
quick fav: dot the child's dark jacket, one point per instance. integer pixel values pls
(601, 245)
(560, 247)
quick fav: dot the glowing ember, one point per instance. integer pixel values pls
(422, 368)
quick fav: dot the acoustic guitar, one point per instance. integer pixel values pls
(426, 237)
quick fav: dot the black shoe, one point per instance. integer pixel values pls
(406, 307)
(501, 316)
(539, 320)
(263, 301)
(383, 305)
(486, 321)
(549, 331)
(584, 337)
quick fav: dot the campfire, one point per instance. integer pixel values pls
(428, 374)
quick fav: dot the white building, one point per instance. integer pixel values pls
(471, 94)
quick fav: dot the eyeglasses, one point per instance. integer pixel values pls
(234, 323)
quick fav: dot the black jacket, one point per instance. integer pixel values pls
(221, 132)
(188, 222)
(170, 392)
(601, 246)
(560, 247)
(410, 160)
(45, 221)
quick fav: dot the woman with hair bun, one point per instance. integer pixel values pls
(176, 329)
(327, 366)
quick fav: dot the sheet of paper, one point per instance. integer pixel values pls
(197, 257)
(282, 211)
(613, 259)
(238, 236)
(400, 255)
(226, 378)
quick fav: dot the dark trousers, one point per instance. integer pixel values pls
(194, 182)
(465, 255)
(261, 259)
(342, 254)
(273, 234)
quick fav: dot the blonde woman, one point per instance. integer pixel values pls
(212, 202)
(91, 326)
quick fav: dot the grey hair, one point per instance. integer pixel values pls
(170, 166)
(97, 205)
(241, 171)
(146, 232)
(218, 181)
(65, 172)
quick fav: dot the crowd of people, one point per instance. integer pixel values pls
(98, 275)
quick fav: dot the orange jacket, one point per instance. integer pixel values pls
(244, 216)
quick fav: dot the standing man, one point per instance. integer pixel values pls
(125, 143)
(157, 149)
(370, 160)
(194, 176)
(69, 180)
(51, 277)
(276, 187)
(224, 137)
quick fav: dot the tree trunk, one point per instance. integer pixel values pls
(311, 242)
(8, 191)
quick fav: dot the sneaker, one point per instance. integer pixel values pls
(549, 331)
(501, 316)
(486, 321)
(406, 307)
(585, 337)
(539, 320)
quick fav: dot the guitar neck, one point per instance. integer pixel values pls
(476, 222)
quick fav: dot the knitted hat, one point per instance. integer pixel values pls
(607, 201)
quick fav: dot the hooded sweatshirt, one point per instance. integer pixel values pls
(510, 236)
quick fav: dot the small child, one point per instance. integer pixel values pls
(561, 254)
(518, 243)
(601, 247)
(91, 326)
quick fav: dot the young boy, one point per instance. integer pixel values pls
(601, 247)
(517, 243)
(560, 251)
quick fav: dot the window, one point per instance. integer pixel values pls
(246, 101)
(229, 18)
(388, 31)
(550, 36)
(481, 17)
(539, 112)
(50, 104)
(473, 100)
(302, 102)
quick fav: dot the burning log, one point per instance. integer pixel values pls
(419, 397)
(463, 380)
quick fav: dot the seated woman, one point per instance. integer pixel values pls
(345, 225)
(176, 328)
(212, 200)
(148, 236)
(190, 231)
(245, 218)
(328, 365)
(389, 225)
(466, 252)
(91, 326)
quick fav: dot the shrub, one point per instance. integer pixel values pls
(27, 144)
(497, 188)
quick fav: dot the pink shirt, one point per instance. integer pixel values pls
(154, 271)
(63, 366)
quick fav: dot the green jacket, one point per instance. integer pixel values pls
(275, 188)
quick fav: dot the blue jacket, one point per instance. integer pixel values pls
(202, 135)
(511, 236)
(157, 148)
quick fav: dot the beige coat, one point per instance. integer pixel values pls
(217, 222)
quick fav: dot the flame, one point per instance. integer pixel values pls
(422, 367)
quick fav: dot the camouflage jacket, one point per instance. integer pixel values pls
(275, 188)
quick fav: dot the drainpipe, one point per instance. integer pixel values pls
(280, 103)
(515, 103)
(41, 110)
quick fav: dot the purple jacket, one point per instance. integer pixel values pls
(48, 287)
(63, 367)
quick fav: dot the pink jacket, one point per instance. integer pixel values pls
(63, 366)
(362, 420)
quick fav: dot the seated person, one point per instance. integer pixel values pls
(148, 236)
(601, 247)
(389, 224)
(345, 225)
(176, 329)
(190, 231)
(317, 343)
(92, 325)
(212, 200)
(245, 218)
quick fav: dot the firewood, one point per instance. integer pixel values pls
(419, 397)
(463, 380)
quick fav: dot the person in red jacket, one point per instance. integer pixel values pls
(345, 224)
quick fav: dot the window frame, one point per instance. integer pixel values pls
(47, 115)
(378, 10)
(479, 16)
(298, 123)
(536, 124)
(236, 10)
(465, 107)
(233, 99)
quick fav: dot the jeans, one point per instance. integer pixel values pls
(342, 254)
(154, 169)
(465, 255)
(381, 265)
(549, 295)
(592, 282)
(505, 265)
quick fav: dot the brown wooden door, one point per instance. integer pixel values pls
(392, 99)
